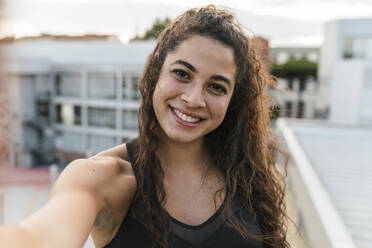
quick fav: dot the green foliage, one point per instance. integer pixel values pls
(295, 68)
(157, 27)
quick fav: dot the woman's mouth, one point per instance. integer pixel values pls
(185, 119)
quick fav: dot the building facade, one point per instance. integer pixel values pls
(345, 71)
(71, 97)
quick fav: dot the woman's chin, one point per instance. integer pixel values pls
(183, 138)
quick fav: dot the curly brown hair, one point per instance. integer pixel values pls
(246, 157)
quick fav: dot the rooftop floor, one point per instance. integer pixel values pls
(341, 157)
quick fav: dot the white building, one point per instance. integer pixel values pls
(295, 99)
(345, 71)
(295, 102)
(71, 95)
(281, 55)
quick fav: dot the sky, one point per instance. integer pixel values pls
(283, 22)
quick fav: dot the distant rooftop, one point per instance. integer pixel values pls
(61, 37)
(74, 50)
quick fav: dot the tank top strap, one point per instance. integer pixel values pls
(132, 149)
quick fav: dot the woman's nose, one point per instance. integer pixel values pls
(194, 97)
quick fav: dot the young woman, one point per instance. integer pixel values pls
(202, 171)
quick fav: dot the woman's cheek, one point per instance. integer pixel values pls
(170, 88)
(219, 107)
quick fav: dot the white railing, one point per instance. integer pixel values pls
(322, 224)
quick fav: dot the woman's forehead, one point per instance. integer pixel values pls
(206, 54)
(201, 46)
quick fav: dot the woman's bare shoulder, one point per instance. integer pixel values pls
(99, 171)
(115, 185)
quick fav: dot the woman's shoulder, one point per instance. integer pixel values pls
(106, 169)
(107, 177)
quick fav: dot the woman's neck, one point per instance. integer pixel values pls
(177, 155)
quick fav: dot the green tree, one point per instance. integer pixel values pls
(157, 27)
(295, 68)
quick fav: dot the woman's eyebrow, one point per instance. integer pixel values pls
(221, 78)
(193, 69)
(184, 63)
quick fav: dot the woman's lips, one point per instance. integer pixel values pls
(187, 113)
(184, 122)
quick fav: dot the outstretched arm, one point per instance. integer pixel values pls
(17, 237)
(76, 199)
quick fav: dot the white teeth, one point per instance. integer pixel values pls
(186, 117)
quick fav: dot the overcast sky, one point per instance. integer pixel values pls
(283, 22)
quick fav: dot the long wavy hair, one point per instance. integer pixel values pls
(242, 147)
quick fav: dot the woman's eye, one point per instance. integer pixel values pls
(181, 74)
(218, 88)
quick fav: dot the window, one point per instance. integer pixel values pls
(101, 117)
(300, 109)
(42, 84)
(70, 141)
(58, 85)
(288, 109)
(58, 113)
(135, 93)
(130, 119)
(68, 84)
(68, 114)
(101, 85)
(77, 115)
(302, 83)
(27, 93)
(97, 143)
(42, 108)
(355, 47)
(124, 85)
(290, 83)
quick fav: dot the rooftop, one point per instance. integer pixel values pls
(60, 37)
(341, 157)
(84, 49)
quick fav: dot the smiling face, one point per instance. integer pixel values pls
(194, 88)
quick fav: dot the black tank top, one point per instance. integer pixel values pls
(212, 233)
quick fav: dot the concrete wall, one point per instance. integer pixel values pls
(346, 91)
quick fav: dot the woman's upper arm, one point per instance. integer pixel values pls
(76, 199)
(65, 221)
